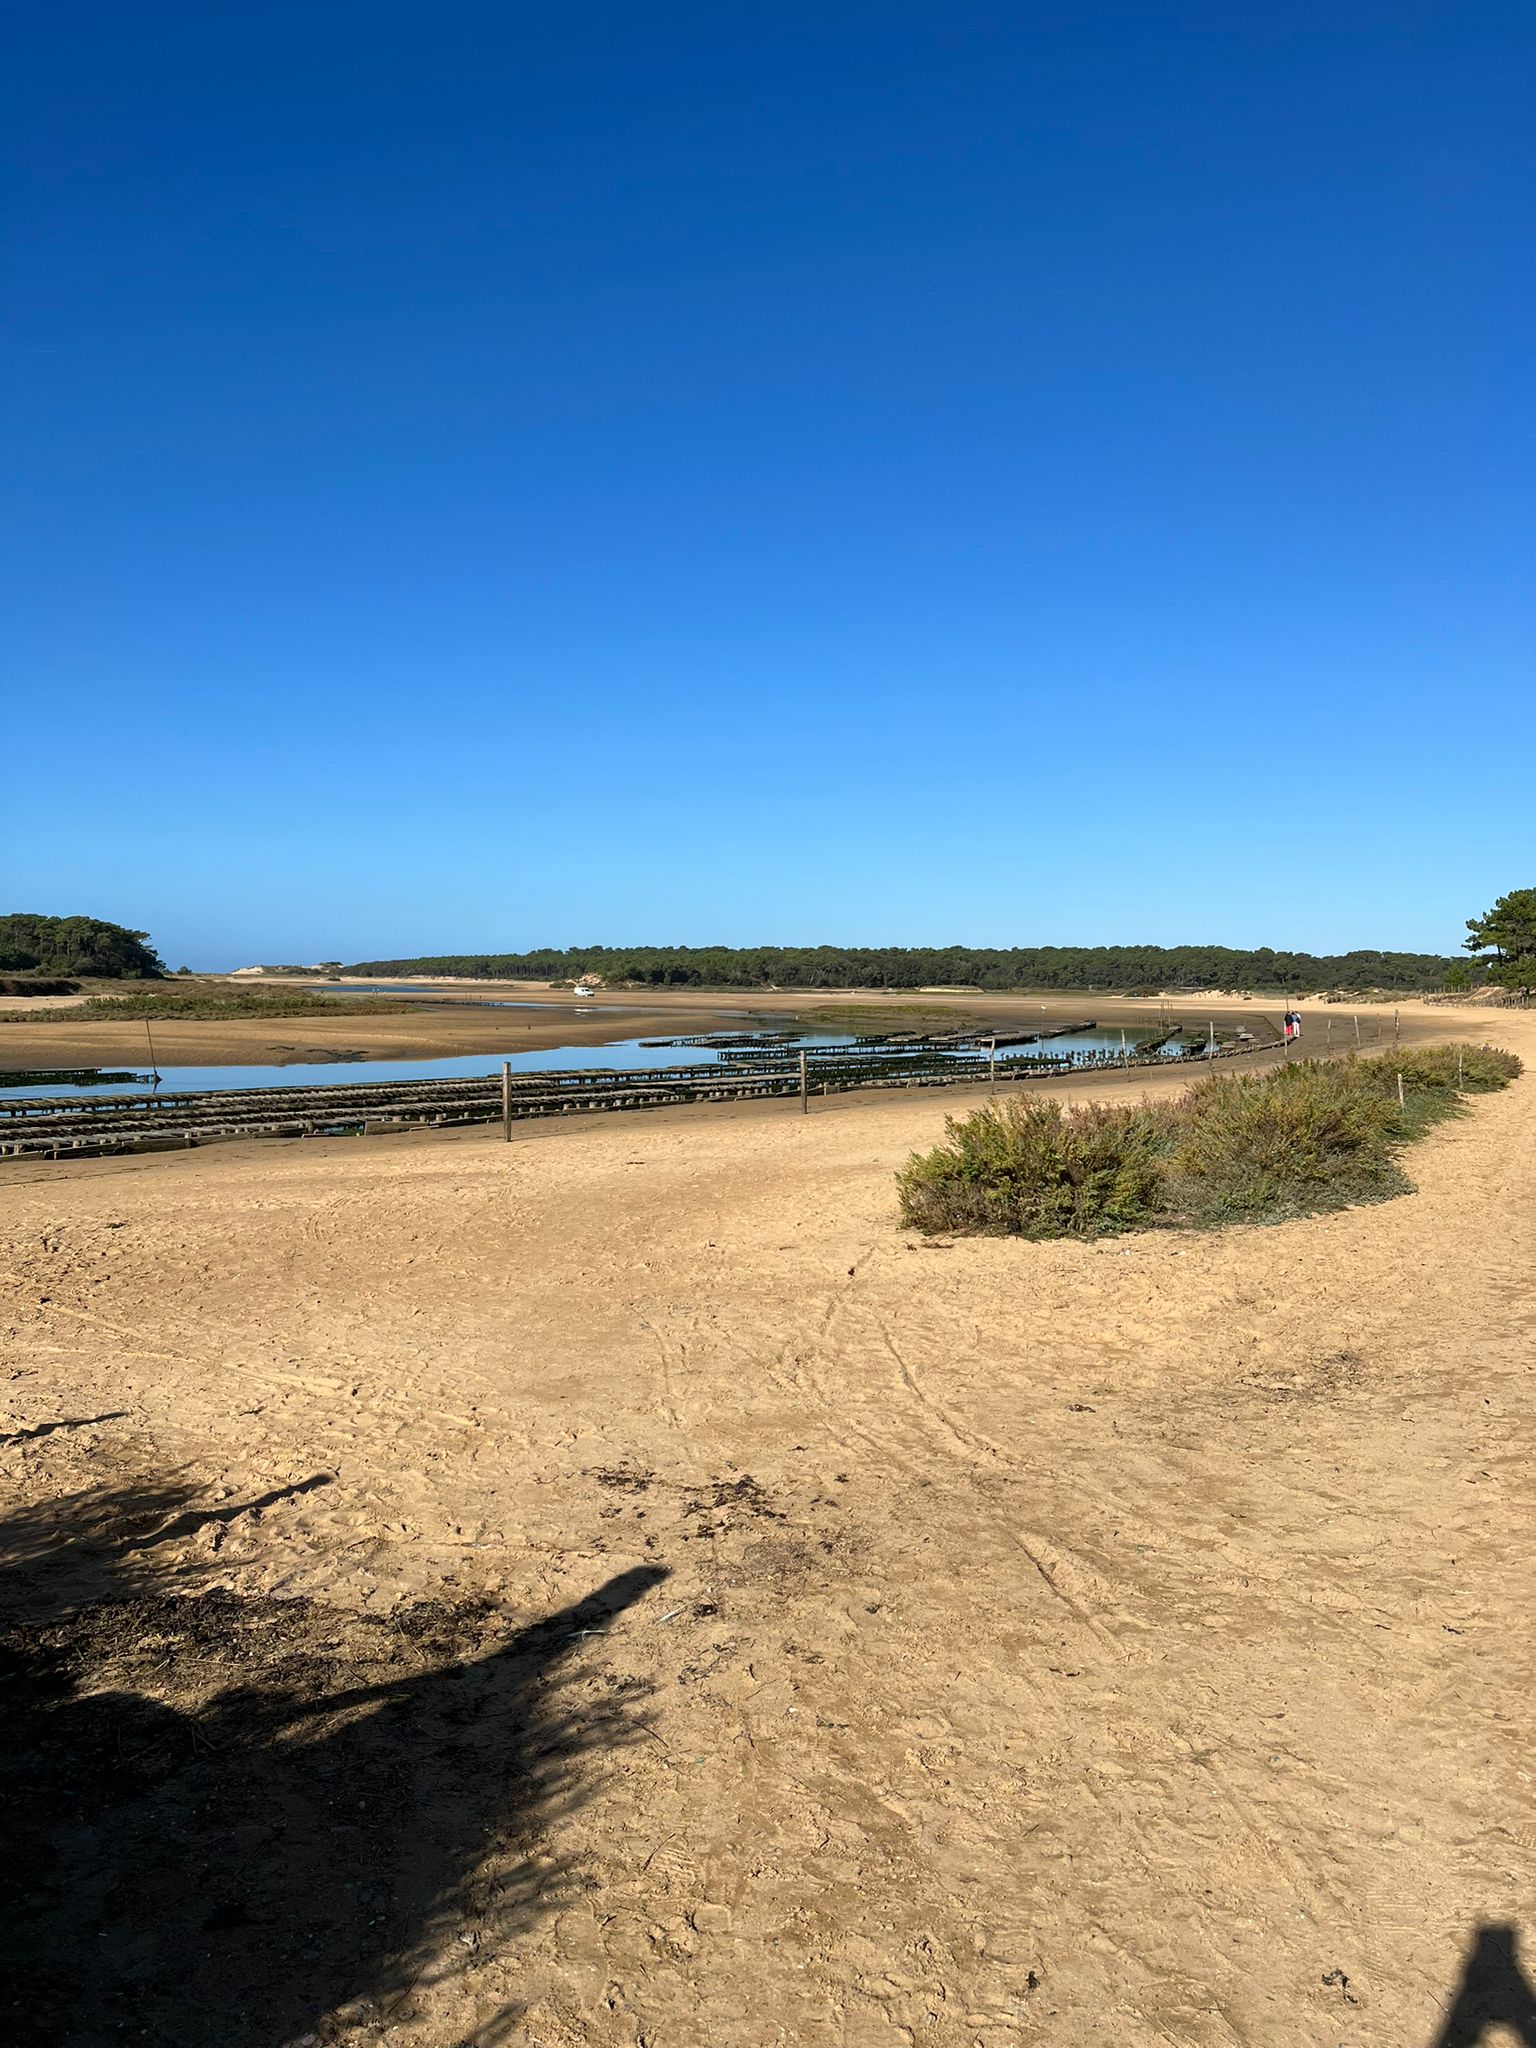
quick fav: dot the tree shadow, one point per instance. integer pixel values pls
(1494, 1990)
(27, 1436)
(239, 1821)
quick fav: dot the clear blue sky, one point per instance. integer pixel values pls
(486, 475)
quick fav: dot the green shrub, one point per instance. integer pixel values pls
(1023, 1167)
(1314, 1134)
(1307, 1136)
(1469, 1069)
(1425, 1084)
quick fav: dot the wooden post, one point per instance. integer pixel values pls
(1397, 1019)
(1210, 1050)
(154, 1067)
(991, 1062)
(1401, 1100)
(1125, 1057)
(1460, 1065)
(506, 1100)
(805, 1100)
(1357, 1031)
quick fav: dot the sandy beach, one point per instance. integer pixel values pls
(1126, 1643)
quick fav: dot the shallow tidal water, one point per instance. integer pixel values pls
(624, 1054)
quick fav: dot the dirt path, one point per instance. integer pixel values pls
(1127, 1643)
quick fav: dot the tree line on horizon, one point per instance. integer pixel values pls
(1110, 968)
(34, 944)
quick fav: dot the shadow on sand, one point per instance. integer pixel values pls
(1494, 1991)
(237, 1822)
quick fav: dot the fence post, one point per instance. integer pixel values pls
(1210, 1050)
(805, 1100)
(1125, 1058)
(991, 1062)
(1357, 1031)
(506, 1100)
